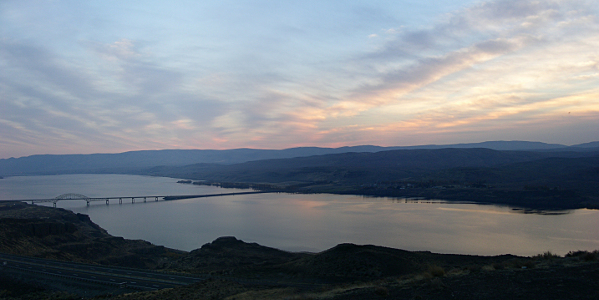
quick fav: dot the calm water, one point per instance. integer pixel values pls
(309, 222)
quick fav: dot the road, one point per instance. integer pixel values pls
(104, 275)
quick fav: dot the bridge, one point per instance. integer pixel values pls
(80, 197)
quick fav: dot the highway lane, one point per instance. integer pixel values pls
(114, 276)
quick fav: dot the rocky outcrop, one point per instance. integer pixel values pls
(54, 233)
(226, 255)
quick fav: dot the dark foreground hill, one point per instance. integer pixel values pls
(39, 231)
(531, 179)
(238, 270)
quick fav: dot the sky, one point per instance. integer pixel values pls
(115, 76)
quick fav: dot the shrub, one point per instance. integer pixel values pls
(529, 264)
(584, 255)
(546, 255)
(436, 271)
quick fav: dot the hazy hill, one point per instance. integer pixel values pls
(588, 145)
(134, 161)
(498, 145)
(531, 179)
(358, 167)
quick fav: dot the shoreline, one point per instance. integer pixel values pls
(524, 200)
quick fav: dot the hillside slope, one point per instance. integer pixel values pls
(521, 178)
(60, 234)
(134, 161)
(240, 270)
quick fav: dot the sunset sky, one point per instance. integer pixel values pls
(114, 76)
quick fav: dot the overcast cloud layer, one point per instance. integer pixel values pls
(114, 76)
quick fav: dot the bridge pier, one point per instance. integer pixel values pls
(54, 203)
(156, 199)
(132, 200)
(144, 199)
(120, 200)
(106, 201)
(87, 202)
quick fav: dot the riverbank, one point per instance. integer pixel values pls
(532, 199)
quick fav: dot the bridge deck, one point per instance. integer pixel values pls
(120, 198)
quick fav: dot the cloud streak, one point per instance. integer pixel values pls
(294, 75)
(528, 55)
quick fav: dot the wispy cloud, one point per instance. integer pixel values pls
(268, 76)
(493, 61)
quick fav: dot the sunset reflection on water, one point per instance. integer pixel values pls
(316, 222)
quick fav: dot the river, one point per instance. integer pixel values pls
(314, 222)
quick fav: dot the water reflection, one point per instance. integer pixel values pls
(315, 222)
(419, 200)
(528, 211)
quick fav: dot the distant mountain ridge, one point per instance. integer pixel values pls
(588, 145)
(133, 161)
(552, 177)
(358, 167)
(499, 145)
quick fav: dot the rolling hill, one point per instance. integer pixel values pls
(134, 161)
(533, 179)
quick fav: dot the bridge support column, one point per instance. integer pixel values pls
(54, 203)
(120, 200)
(87, 202)
(107, 201)
(132, 200)
(144, 199)
(156, 199)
